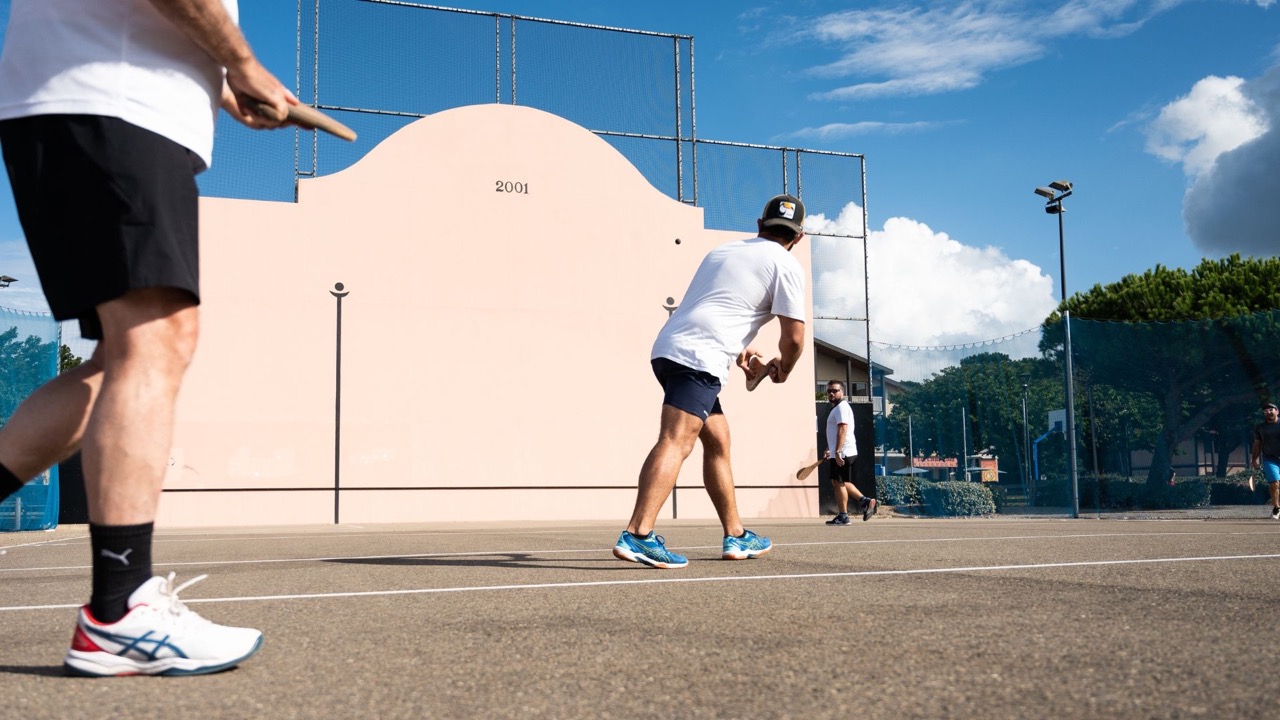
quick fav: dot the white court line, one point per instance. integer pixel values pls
(531, 554)
(668, 581)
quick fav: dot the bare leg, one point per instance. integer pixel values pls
(48, 426)
(678, 433)
(717, 473)
(853, 492)
(842, 497)
(1274, 487)
(149, 336)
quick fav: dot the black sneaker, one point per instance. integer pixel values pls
(1275, 513)
(840, 519)
(869, 506)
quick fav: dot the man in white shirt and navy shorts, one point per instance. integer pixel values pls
(841, 450)
(739, 286)
(107, 110)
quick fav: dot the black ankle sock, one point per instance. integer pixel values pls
(121, 563)
(9, 483)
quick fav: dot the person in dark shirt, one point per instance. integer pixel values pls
(1266, 453)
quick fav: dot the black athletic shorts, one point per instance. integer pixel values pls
(107, 207)
(842, 474)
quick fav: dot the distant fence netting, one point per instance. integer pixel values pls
(29, 350)
(983, 412)
(1164, 412)
(1173, 406)
(378, 65)
(734, 181)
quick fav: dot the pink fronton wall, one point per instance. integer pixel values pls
(495, 345)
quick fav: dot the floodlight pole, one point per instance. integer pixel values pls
(1054, 206)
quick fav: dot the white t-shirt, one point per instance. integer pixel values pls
(116, 58)
(841, 414)
(739, 287)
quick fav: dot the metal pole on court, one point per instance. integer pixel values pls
(1070, 372)
(1026, 444)
(1071, 423)
(338, 293)
(1054, 206)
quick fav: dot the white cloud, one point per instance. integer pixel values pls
(926, 288)
(1231, 206)
(833, 131)
(920, 51)
(1215, 117)
(950, 47)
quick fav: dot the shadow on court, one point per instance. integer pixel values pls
(508, 560)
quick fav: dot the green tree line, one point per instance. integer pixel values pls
(1161, 358)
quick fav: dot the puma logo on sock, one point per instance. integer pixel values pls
(122, 557)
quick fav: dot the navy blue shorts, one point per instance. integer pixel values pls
(693, 391)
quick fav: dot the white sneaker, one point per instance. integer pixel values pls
(158, 636)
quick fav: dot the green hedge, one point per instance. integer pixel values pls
(1000, 496)
(897, 490)
(1235, 491)
(1117, 492)
(956, 499)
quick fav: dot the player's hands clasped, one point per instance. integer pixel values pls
(776, 373)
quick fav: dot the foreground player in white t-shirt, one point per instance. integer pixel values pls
(106, 113)
(739, 287)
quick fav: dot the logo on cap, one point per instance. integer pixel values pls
(784, 210)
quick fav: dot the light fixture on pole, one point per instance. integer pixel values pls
(1058, 191)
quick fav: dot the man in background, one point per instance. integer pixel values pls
(842, 450)
(1266, 453)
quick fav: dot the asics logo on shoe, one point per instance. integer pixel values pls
(149, 645)
(122, 557)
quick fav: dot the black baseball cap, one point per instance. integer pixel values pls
(1269, 405)
(783, 211)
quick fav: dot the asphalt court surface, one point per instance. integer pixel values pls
(893, 618)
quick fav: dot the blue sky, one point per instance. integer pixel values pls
(1165, 114)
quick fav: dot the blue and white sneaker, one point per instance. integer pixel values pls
(650, 550)
(750, 545)
(158, 636)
